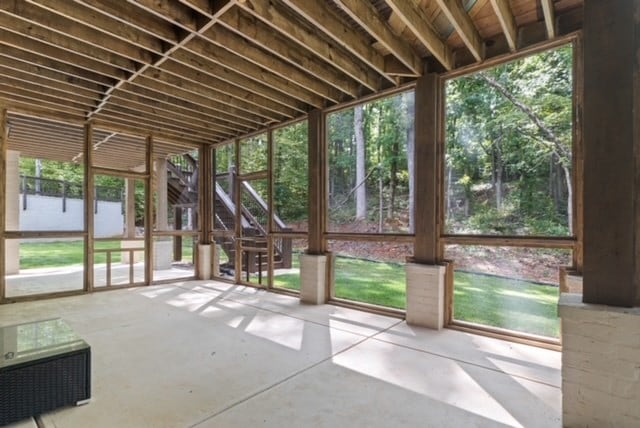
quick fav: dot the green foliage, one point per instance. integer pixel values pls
(509, 146)
(291, 172)
(387, 128)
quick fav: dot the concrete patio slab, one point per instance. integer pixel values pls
(211, 354)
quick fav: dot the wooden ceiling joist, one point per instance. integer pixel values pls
(503, 11)
(332, 24)
(366, 15)
(278, 20)
(239, 71)
(414, 17)
(464, 26)
(277, 55)
(50, 55)
(549, 17)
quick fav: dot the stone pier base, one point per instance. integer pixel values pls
(425, 295)
(204, 266)
(600, 364)
(313, 279)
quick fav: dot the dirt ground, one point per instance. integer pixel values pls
(532, 264)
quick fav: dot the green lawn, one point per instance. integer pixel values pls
(482, 299)
(61, 253)
(65, 253)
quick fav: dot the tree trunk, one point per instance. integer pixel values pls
(361, 190)
(567, 177)
(411, 140)
(393, 179)
(497, 164)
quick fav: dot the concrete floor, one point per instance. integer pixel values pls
(209, 354)
(70, 278)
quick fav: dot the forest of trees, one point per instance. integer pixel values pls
(509, 148)
(508, 156)
(370, 147)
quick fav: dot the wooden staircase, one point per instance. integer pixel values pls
(182, 193)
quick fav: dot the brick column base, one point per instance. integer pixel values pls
(600, 364)
(204, 261)
(313, 279)
(425, 295)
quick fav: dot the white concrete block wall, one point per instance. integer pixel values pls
(425, 295)
(313, 274)
(45, 213)
(600, 364)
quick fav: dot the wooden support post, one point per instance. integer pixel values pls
(177, 239)
(426, 169)
(148, 212)
(234, 185)
(89, 216)
(205, 192)
(317, 183)
(4, 141)
(611, 153)
(130, 208)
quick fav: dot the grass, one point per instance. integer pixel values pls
(59, 253)
(483, 299)
(67, 253)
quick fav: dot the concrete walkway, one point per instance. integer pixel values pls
(209, 354)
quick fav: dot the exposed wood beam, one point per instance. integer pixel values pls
(414, 17)
(503, 11)
(130, 15)
(205, 99)
(172, 112)
(36, 87)
(111, 30)
(72, 73)
(179, 14)
(18, 69)
(239, 69)
(463, 24)
(549, 17)
(50, 55)
(26, 108)
(123, 115)
(154, 89)
(329, 22)
(252, 104)
(368, 17)
(191, 108)
(200, 70)
(289, 61)
(37, 100)
(133, 109)
(15, 24)
(68, 29)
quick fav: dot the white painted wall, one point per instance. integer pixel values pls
(45, 213)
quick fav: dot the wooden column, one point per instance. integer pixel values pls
(611, 153)
(317, 182)
(130, 208)
(4, 137)
(89, 216)
(148, 211)
(205, 193)
(426, 169)
(162, 216)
